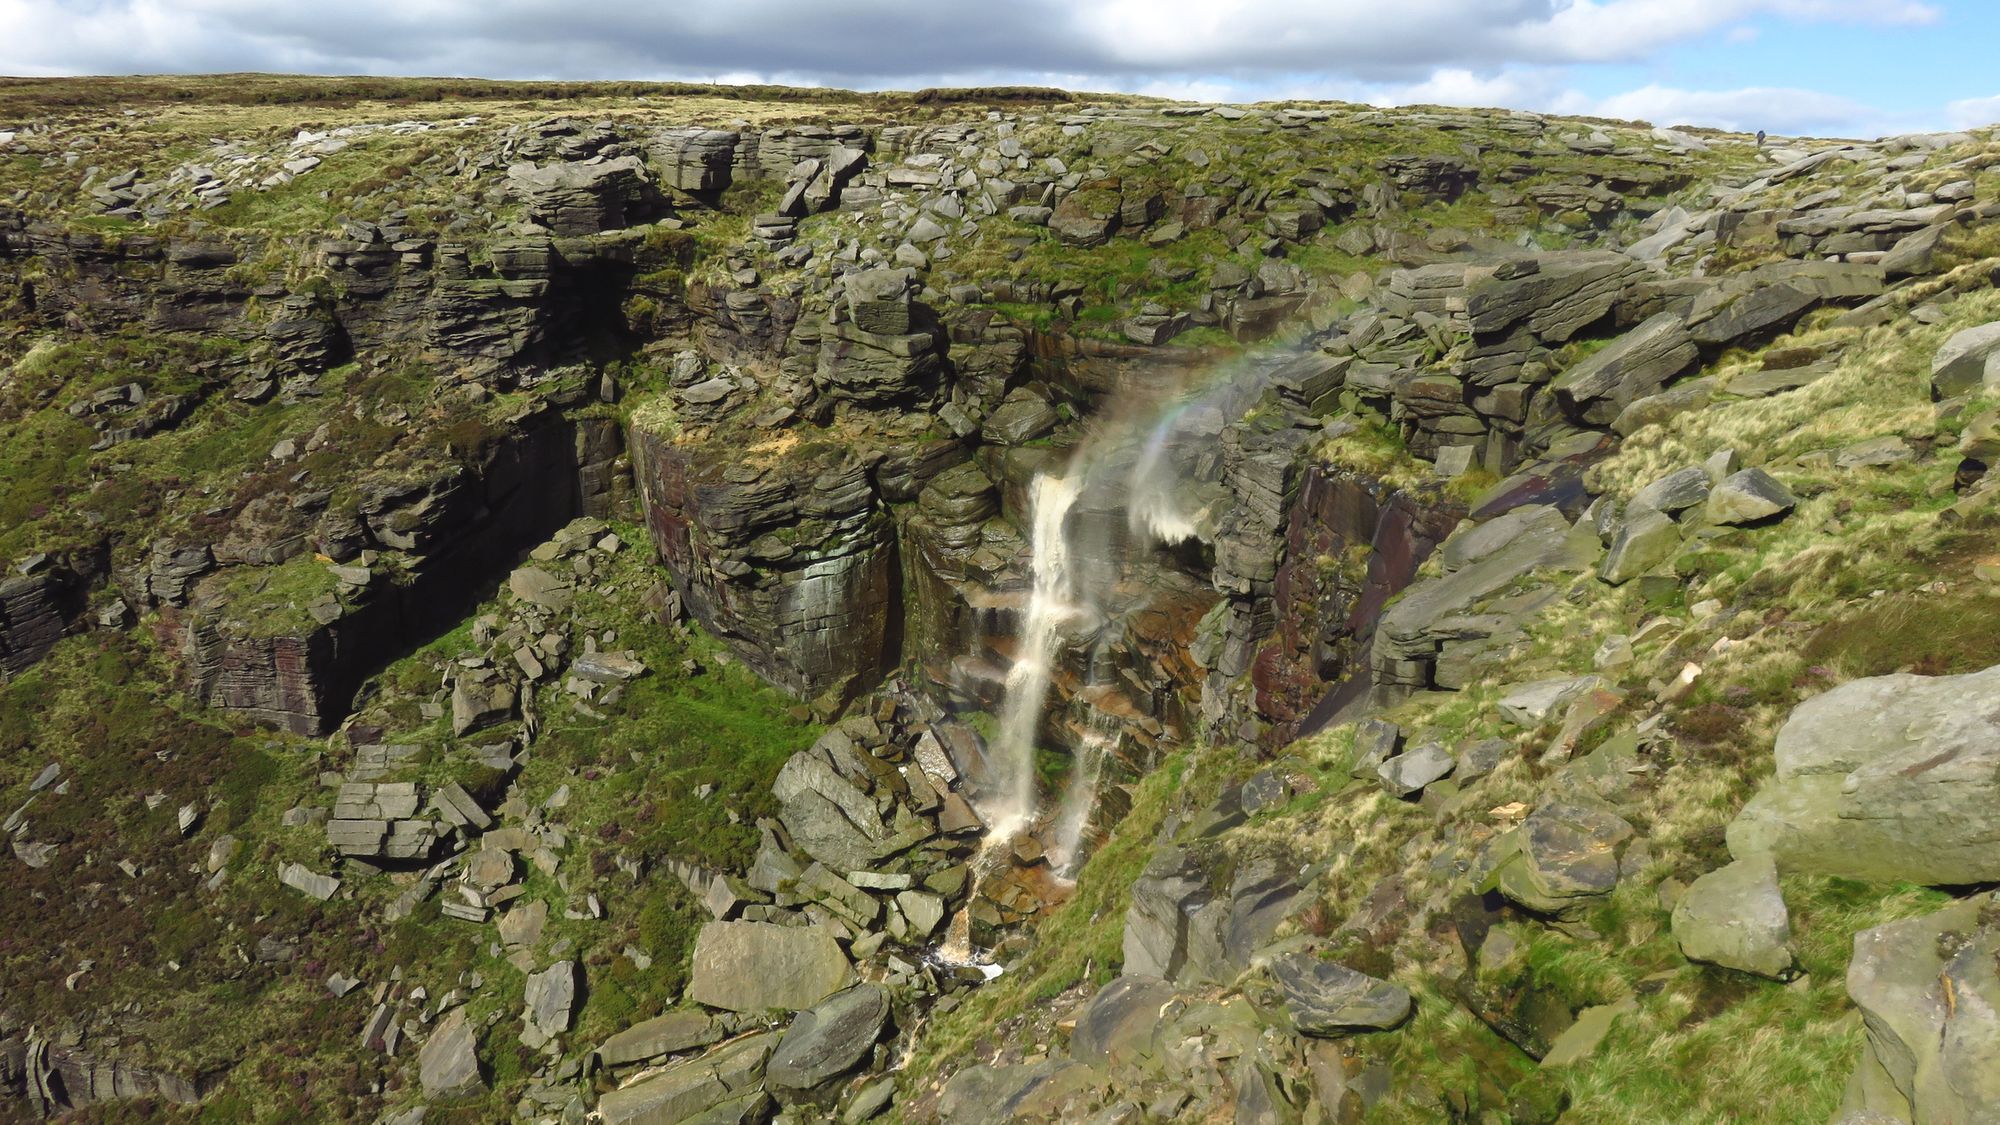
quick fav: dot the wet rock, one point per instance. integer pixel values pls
(1892, 778)
(758, 966)
(829, 1040)
(1736, 917)
(1324, 999)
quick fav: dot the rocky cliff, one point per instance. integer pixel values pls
(976, 609)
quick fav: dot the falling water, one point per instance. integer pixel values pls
(1050, 606)
(1152, 511)
(1079, 801)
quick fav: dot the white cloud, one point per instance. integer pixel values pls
(1460, 87)
(1517, 53)
(1772, 109)
(1971, 113)
(1365, 39)
(1611, 30)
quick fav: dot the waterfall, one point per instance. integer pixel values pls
(1152, 511)
(1050, 606)
(1079, 801)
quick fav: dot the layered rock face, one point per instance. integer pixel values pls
(453, 525)
(789, 555)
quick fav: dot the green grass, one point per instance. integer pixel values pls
(271, 601)
(1932, 634)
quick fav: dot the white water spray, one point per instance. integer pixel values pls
(1152, 510)
(1050, 607)
(1079, 801)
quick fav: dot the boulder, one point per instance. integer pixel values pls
(1323, 999)
(1171, 889)
(1561, 856)
(1892, 778)
(878, 300)
(1735, 917)
(1481, 758)
(661, 1035)
(1406, 775)
(1412, 630)
(1635, 366)
(1375, 742)
(994, 1095)
(1643, 542)
(1930, 1001)
(693, 159)
(922, 912)
(448, 1064)
(574, 199)
(829, 1040)
(759, 967)
(478, 702)
(1748, 497)
(1968, 361)
(725, 1081)
(1021, 419)
(1750, 308)
(550, 997)
(1682, 397)
(1674, 493)
(303, 879)
(1118, 1025)
(1562, 294)
(1225, 931)
(828, 818)
(1532, 704)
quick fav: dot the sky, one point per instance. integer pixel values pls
(1853, 68)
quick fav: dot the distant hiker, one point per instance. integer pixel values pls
(1760, 140)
